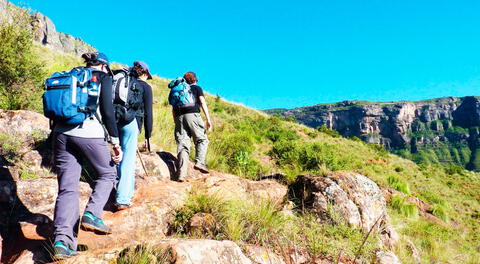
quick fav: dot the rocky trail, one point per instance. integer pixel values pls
(27, 206)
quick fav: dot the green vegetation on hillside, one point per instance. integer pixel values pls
(21, 72)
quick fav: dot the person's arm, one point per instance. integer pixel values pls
(108, 116)
(203, 104)
(148, 110)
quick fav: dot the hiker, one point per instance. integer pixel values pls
(129, 123)
(186, 98)
(85, 141)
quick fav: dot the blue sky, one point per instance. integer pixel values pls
(272, 54)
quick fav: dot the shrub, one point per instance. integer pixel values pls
(454, 169)
(10, 147)
(331, 132)
(310, 156)
(276, 133)
(234, 154)
(22, 73)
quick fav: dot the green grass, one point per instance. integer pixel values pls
(144, 254)
(405, 208)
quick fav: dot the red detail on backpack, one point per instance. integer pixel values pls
(94, 78)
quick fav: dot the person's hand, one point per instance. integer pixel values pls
(117, 153)
(209, 125)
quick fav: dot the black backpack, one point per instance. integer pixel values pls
(127, 96)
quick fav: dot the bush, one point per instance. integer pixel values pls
(310, 156)
(331, 132)
(234, 154)
(22, 73)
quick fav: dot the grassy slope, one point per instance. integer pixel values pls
(249, 143)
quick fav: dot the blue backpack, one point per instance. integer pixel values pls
(72, 96)
(180, 94)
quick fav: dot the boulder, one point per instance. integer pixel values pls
(386, 257)
(230, 187)
(22, 123)
(355, 198)
(152, 168)
(39, 195)
(202, 223)
(206, 251)
(25, 133)
(261, 255)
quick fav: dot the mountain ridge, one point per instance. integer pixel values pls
(447, 124)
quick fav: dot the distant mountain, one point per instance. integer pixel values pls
(443, 130)
(44, 31)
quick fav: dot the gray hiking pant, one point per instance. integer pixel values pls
(187, 126)
(69, 151)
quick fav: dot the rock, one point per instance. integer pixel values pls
(3, 9)
(354, 197)
(413, 249)
(23, 123)
(39, 195)
(207, 251)
(389, 236)
(230, 187)
(202, 223)
(386, 257)
(261, 255)
(44, 31)
(156, 168)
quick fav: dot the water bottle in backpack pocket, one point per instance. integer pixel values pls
(72, 96)
(181, 94)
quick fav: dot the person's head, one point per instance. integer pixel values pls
(97, 60)
(141, 70)
(190, 77)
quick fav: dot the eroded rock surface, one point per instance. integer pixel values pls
(387, 257)
(356, 198)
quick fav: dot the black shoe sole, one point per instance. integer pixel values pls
(201, 170)
(88, 227)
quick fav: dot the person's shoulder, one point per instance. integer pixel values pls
(196, 87)
(101, 75)
(144, 84)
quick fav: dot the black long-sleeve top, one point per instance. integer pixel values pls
(147, 109)
(106, 105)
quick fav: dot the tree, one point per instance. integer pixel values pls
(21, 72)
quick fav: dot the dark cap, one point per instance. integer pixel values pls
(101, 57)
(144, 66)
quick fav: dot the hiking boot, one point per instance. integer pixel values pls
(93, 223)
(121, 207)
(201, 167)
(62, 251)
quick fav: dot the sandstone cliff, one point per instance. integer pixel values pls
(44, 32)
(442, 125)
